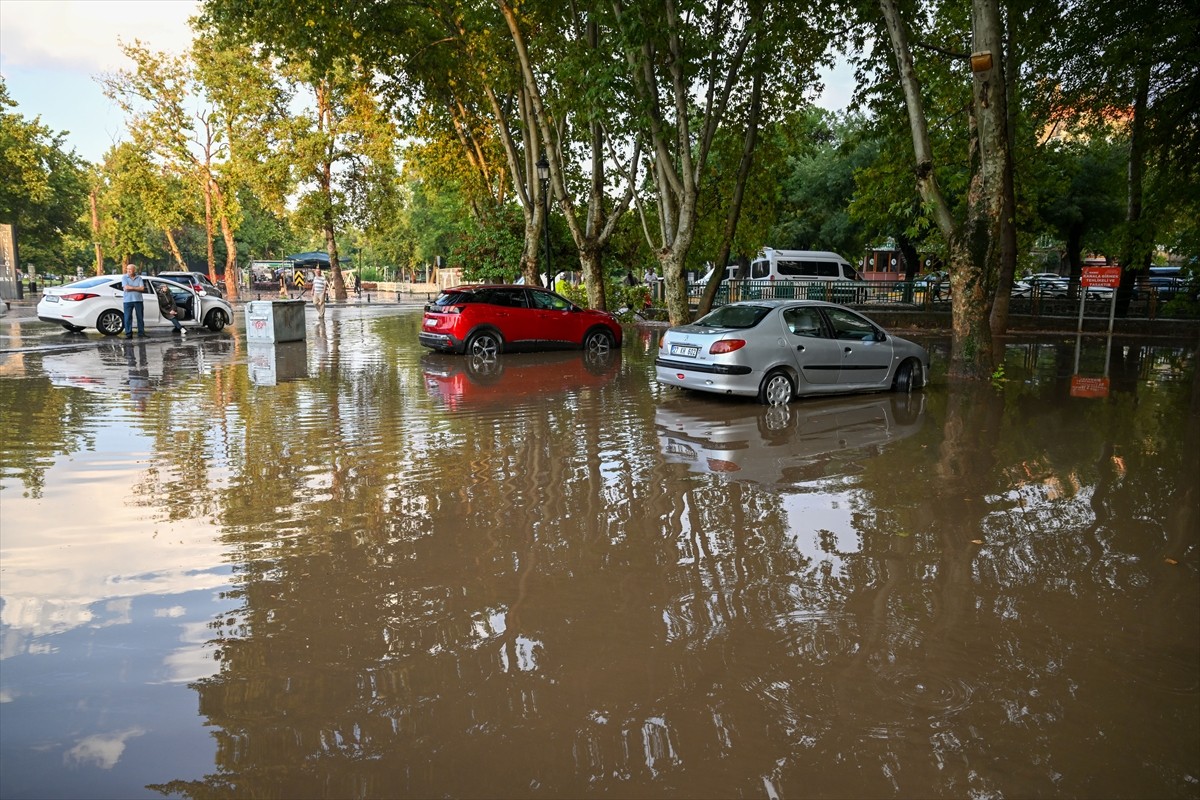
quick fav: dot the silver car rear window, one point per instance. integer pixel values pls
(734, 316)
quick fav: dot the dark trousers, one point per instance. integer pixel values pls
(132, 309)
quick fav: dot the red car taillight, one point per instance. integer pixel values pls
(662, 341)
(727, 346)
(77, 296)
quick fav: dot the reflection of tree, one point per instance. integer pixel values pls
(536, 596)
(40, 423)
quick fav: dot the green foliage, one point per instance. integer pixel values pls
(490, 251)
(43, 188)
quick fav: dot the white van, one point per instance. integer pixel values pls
(801, 265)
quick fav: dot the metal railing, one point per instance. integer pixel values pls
(915, 295)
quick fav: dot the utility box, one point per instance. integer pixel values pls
(271, 363)
(275, 321)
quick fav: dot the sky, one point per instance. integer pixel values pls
(52, 51)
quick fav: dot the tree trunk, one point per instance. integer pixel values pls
(739, 191)
(1135, 250)
(230, 259)
(96, 233)
(178, 256)
(1008, 219)
(208, 229)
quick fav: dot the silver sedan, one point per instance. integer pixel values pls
(776, 350)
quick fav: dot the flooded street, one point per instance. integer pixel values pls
(360, 569)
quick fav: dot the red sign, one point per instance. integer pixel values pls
(1088, 387)
(1101, 276)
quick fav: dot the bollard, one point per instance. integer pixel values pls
(397, 297)
(368, 297)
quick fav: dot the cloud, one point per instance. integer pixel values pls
(101, 750)
(83, 34)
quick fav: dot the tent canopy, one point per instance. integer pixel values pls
(313, 258)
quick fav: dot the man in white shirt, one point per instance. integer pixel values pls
(319, 287)
(133, 288)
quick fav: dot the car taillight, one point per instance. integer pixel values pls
(727, 346)
(77, 296)
(662, 341)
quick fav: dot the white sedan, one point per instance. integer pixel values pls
(97, 303)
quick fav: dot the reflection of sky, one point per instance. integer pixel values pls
(105, 615)
(83, 544)
(822, 509)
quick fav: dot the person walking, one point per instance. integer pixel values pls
(166, 305)
(319, 288)
(133, 292)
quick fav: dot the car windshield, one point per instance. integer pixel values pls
(733, 316)
(90, 282)
(454, 299)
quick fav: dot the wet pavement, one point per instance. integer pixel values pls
(354, 568)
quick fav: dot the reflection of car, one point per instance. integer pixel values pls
(777, 349)
(97, 303)
(782, 444)
(197, 280)
(505, 379)
(486, 320)
(1042, 284)
(114, 367)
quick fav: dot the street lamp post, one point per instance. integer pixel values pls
(543, 169)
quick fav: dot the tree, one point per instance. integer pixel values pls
(973, 241)
(43, 188)
(679, 57)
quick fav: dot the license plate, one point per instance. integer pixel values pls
(686, 350)
(51, 298)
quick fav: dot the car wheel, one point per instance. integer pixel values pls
(909, 376)
(485, 344)
(215, 320)
(75, 328)
(776, 389)
(110, 322)
(598, 341)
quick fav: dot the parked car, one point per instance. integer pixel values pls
(1043, 284)
(1166, 282)
(197, 280)
(776, 350)
(486, 320)
(97, 303)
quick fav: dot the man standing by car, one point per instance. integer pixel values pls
(319, 287)
(133, 288)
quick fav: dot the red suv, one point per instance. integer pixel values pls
(486, 320)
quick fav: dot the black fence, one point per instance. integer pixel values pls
(916, 295)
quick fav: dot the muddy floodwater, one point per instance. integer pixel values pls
(353, 568)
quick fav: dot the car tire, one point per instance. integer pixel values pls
(110, 322)
(909, 376)
(598, 340)
(215, 321)
(776, 389)
(485, 344)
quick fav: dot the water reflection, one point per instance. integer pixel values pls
(780, 445)
(575, 582)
